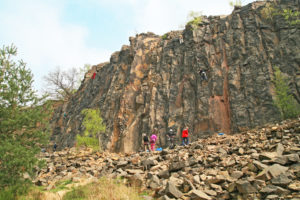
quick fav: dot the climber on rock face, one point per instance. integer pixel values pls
(94, 75)
(180, 39)
(203, 74)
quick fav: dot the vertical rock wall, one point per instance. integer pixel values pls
(154, 83)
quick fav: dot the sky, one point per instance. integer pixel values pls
(72, 33)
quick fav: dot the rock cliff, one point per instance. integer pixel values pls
(154, 83)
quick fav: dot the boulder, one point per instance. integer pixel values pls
(279, 149)
(276, 169)
(245, 187)
(295, 186)
(199, 195)
(172, 191)
(176, 166)
(281, 180)
(164, 174)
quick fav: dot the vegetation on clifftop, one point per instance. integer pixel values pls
(194, 19)
(271, 9)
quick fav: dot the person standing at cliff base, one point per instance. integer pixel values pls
(146, 142)
(153, 139)
(171, 136)
(185, 136)
(54, 147)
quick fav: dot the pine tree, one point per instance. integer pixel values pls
(22, 124)
(284, 101)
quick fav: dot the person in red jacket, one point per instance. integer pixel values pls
(185, 136)
(94, 75)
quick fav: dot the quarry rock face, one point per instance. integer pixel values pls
(154, 83)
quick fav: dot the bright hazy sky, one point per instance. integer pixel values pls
(71, 33)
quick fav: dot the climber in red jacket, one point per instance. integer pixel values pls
(94, 75)
(185, 136)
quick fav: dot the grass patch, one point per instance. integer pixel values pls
(104, 189)
(90, 142)
(34, 193)
(38, 192)
(61, 185)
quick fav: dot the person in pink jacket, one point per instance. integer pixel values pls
(153, 139)
(185, 136)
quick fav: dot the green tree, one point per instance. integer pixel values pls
(94, 126)
(285, 102)
(22, 124)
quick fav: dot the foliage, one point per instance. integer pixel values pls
(9, 192)
(165, 36)
(194, 18)
(93, 124)
(86, 141)
(270, 10)
(104, 189)
(34, 193)
(292, 17)
(285, 102)
(235, 3)
(23, 123)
